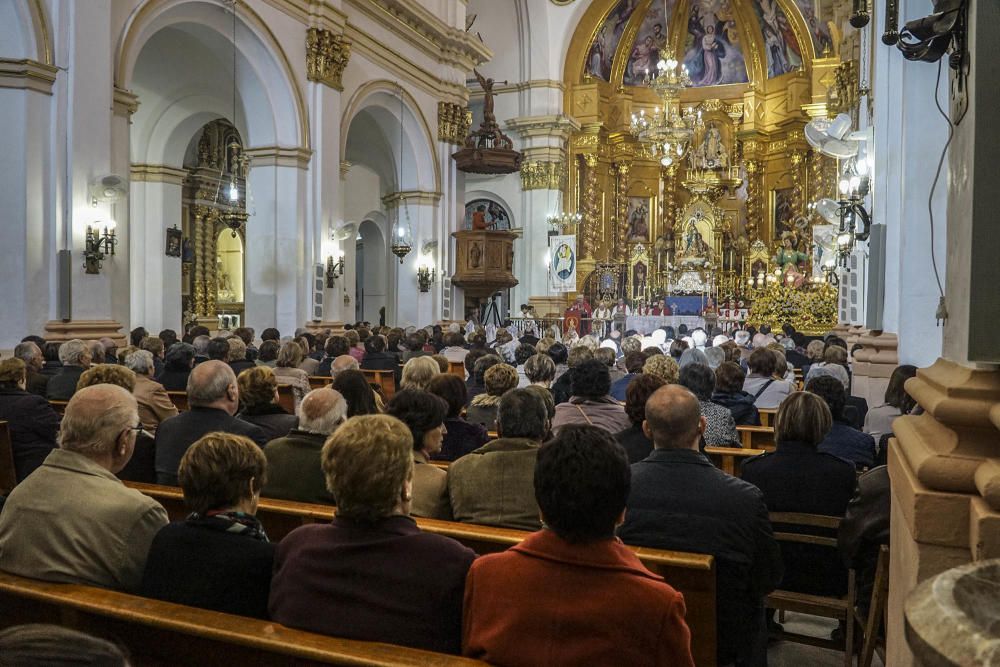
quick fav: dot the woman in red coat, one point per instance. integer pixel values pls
(572, 593)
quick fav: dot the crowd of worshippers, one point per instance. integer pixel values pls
(592, 447)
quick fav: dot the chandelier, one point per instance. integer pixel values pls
(564, 220)
(402, 232)
(667, 132)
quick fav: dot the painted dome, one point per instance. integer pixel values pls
(720, 41)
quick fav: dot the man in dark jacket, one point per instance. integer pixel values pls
(729, 378)
(213, 397)
(843, 440)
(37, 383)
(75, 358)
(864, 529)
(378, 359)
(680, 501)
(335, 346)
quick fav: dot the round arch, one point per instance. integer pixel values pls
(260, 55)
(372, 282)
(381, 99)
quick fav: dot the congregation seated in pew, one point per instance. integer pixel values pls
(424, 415)
(462, 436)
(571, 592)
(219, 557)
(31, 422)
(354, 387)
(372, 573)
(259, 403)
(634, 441)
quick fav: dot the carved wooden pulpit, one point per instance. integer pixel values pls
(484, 261)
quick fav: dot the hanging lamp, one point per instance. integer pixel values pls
(402, 234)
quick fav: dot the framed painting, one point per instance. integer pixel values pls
(174, 242)
(638, 218)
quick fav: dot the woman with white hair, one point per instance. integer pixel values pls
(154, 402)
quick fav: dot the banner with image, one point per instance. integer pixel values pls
(562, 263)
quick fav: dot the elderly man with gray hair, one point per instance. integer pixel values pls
(155, 405)
(72, 520)
(213, 397)
(344, 362)
(37, 382)
(75, 358)
(294, 469)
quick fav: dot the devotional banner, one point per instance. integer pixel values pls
(562, 263)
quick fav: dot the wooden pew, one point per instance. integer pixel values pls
(163, 633)
(457, 368)
(8, 475)
(730, 459)
(59, 406)
(385, 380)
(691, 574)
(756, 437)
(767, 416)
(286, 398)
(319, 381)
(179, 399)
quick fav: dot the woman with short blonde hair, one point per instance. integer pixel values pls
(219, 557)
(107, 374)
(663, 367)
(498, 379)
(347, 578)
(418, 373)
(287, 370)
(259, 402)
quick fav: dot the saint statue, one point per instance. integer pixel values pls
(489, 118)
(791, 261)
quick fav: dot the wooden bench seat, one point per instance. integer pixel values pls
(457, 368)
(384, 380)
(319, 381)
(163, 633)
(730, 459)
(691, 574)
(59, 406)
(179, 399)
(756, 437)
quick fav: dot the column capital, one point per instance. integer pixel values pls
(157, 173)
(454, 121)
(279, 156)
(549, 175)
(27, 75)
(327, 55)
(125, 102)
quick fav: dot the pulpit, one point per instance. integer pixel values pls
(484, 261)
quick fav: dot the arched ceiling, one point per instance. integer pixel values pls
(720, 41)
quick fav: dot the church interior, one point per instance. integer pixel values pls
(698, 180)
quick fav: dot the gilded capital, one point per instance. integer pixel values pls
(326, 57)
(543, 175)
(590, 159)
(453, 123)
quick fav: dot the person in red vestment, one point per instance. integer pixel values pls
(572, 593)
(582, 310)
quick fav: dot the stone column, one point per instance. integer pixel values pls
(454, 119)
(406, 305)
(945, 466)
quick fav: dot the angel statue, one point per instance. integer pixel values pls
(791, 260)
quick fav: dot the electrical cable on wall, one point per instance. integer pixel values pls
(942, 311)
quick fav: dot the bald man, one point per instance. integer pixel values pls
(213, 398)
(293, 462)
(344, 362)
(72, 520)
(680, 501)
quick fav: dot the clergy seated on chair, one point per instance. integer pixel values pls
(572, 594)
(213, 397)
(843, 440)
(73, 504)
(590, 403)
(634, 440)
(768, 391)
(680, 501)
(74, 356)
(493, 484)
(424, 415)
(293, 461)
(371, 573)
(31, 422)
(219, 557)
(796, 477)
(462, 436)
(259, 403)
(154, 404)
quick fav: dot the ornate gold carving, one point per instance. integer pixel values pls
(669, 213)
(797, 160)
(755, 199)
(199, 213)
(326, 57)
(454, 121)
(543, 175)
(842, 96)
(591, 210)
(621, 251)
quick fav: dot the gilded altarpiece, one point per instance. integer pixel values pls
(749, 143)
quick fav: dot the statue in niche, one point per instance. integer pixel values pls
(475, 256)
(225, 289)
(791, 260)
(663, 247)
(711, 153)
(694, 243)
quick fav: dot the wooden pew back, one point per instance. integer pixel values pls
(163, 633)
(457, 368)
(385, 380)
(286, 398)
(756, 437)
(8, 475)
(319, 381)
(59, 406)
(730, 459)
(179, 399)
(691, 574)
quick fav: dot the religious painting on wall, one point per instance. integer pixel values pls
(486, 214)
(637, 219)
(174, 242)
(819, 30)
(712, 51)
(782, 212)
(650, 43)
(602, 49)
(784, 54)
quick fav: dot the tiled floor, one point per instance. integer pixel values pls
(787, 654)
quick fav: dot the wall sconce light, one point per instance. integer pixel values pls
(334, 269)
(425, 268)
(98, 245)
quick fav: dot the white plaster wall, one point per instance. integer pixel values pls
(909, 136)
(156, 302)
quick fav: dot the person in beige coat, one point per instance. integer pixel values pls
(154, 402)
(494, 485)
(424, 413)
(72, 520)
